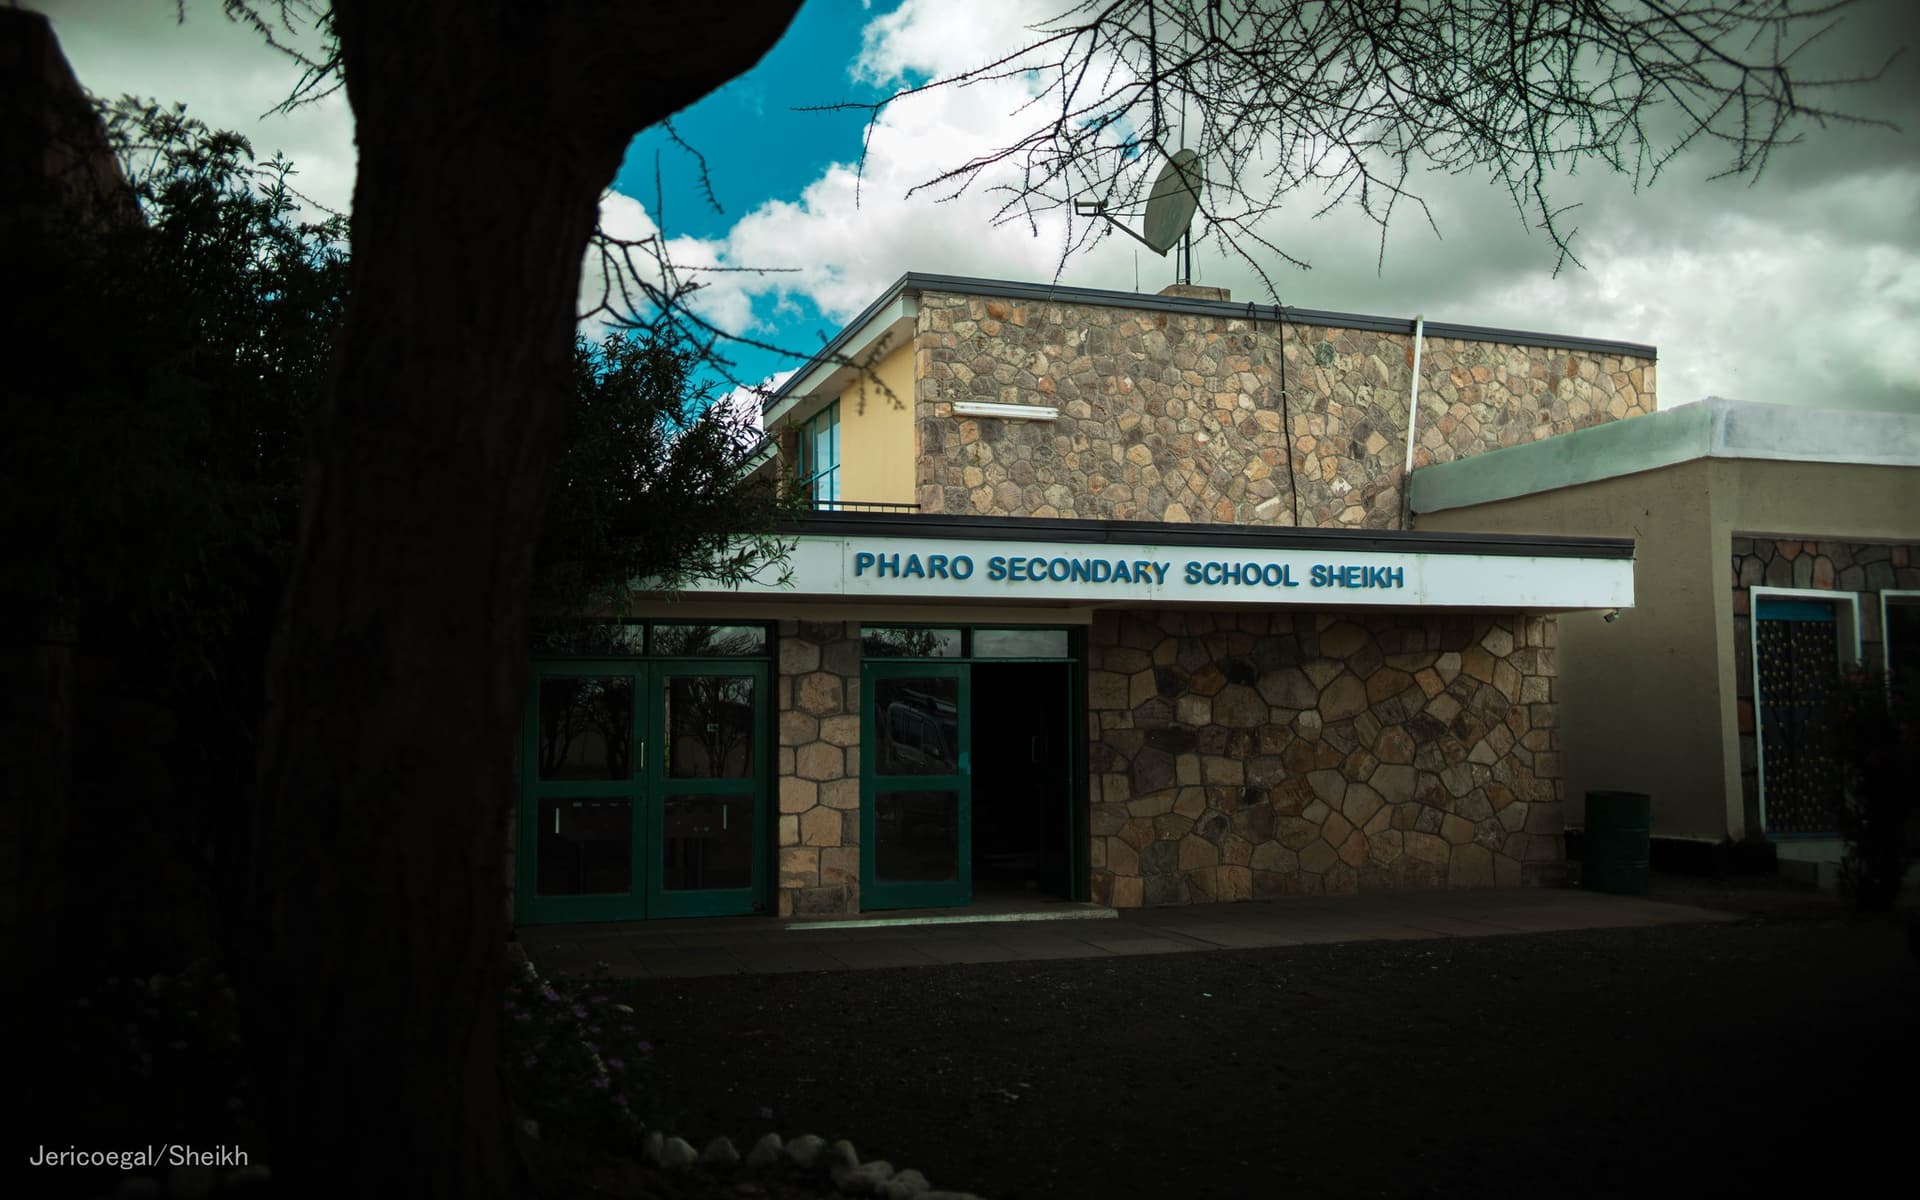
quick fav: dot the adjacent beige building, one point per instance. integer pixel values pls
(1772, 544)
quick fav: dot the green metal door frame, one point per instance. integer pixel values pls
(645, 791)
(931, 894)
(714, 901)
(529, 906)
(1079, 841)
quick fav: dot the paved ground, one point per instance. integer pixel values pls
(678, 949)
(1624, 1048)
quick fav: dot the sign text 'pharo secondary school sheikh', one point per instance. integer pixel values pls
(1062, 569)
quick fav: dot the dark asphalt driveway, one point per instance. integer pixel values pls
(1749, 1058)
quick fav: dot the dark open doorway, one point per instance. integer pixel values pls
(1022, 779)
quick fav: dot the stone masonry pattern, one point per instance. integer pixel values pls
(1178, 417)
(1865, 568)
(817, 768)
(1267, 754)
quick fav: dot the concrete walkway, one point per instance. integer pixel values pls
(1007, 933)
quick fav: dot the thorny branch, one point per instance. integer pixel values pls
(1344, 101)
(1321, 102)
(635, 284)
(632, 283)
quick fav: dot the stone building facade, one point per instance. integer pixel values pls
(1241, 756)
(818, 767)
(1269, 754)
(1198, 414)
(1160, 633)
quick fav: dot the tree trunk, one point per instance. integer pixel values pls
(486, 134)
(36, 785)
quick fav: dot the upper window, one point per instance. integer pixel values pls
(820, 455)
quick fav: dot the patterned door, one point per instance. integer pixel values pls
(1799, 658)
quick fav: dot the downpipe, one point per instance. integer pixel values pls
(1413, 414)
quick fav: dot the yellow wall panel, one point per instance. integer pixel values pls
(876, 434)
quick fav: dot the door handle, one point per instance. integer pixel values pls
(643, 756)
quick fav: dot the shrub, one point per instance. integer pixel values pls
(576, 1060)
(1877, 737)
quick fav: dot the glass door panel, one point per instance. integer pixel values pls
(585, 846)
(582, 795)
(915, 812)
(707, 843)
(916, 837)
(709, 726)
(585, 725)
(707, 834)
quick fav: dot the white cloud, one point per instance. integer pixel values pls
(851, 232)
(231, 77)
(746, 401)
(1801, 289)
(929, 38)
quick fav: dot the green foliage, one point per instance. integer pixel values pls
(1877, 731)
(159, 472)
(577, 1062)
(170, 373)
(178, 338)
(651, 489)
(151, 471)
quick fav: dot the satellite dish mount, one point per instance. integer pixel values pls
(1170, 207)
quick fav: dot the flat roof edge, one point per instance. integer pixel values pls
(1715, 428)
(1605, 451)
(1245, 310)
(1250, 310)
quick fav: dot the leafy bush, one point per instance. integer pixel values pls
(577, 1063)
(1877, 734)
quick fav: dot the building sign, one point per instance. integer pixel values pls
(881, 568)
(1038, 568)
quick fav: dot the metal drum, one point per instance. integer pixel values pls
(1614, 850)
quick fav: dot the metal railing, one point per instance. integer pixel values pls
(860, 506)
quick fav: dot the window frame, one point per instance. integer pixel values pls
(808, 469)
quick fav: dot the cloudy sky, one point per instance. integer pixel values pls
(1803, 288)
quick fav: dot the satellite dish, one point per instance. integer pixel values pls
(1171, 203)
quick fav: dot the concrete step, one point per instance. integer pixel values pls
(1821, 873)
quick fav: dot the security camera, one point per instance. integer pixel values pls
(1610, 616)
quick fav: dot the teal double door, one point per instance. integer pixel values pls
(643, 790)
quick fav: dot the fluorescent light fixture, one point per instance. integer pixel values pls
(1008, 412)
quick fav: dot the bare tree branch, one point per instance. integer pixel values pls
(640, 288)
(1344, 102)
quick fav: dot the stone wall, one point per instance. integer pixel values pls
(817, 768)
(1305, 753)
(1179, 417)
(1867, 568)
